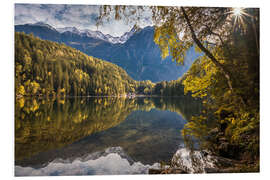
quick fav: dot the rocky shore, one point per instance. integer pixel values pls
(221, 157)
(187, 162)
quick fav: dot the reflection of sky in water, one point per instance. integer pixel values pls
(149, 133)
(112, 162)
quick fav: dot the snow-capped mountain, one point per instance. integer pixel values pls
(89, 33)
(68, 29)
(42, 24)
(99, 35)
(127, 35)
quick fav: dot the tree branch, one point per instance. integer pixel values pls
(207, 52)
(216, 34)
(211, 57)
(210, 43)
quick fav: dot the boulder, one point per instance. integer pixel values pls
(192, 161)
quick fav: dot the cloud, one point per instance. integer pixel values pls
(79, 16)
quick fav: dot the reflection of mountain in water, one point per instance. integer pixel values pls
(111, 161)
(44, 129)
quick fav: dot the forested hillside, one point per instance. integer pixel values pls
(48, 68)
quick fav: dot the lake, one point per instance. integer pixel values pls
(98, 135)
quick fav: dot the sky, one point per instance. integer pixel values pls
(79, 16)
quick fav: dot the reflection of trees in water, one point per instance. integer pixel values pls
(185, 106)
(42, 125)
(196, 130)
(199, 121)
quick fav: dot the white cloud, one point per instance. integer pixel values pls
(79, 16)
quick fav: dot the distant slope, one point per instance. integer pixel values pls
(45, 67)
(139, 55)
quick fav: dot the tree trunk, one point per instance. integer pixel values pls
(211, 57)
(207, 52)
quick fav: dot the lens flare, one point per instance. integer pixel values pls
(238, 14)
(237, 11)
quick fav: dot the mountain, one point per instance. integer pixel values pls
(140, 57)
(42, 24)
(70, 29)
(99, 35)
(48, 68)
(135, 51)
(42, 30)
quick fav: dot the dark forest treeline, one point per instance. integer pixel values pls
(169, 88)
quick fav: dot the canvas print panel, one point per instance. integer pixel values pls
(102, 90)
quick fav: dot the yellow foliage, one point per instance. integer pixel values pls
(21, 102)
(21, 90)
(200, 77)
(169, 43)
(34, 106)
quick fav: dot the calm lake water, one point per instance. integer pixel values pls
(80, 136)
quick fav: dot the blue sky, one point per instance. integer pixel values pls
(79, 16)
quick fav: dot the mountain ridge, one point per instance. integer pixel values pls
(89, 33)
(139, 55)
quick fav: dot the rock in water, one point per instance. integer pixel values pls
(193, 161)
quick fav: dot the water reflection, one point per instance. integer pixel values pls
(148, 129)
(112, 161)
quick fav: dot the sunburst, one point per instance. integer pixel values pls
(238, 14)
(237, 11)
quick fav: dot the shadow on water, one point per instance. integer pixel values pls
(147, 128)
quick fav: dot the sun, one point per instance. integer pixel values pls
(238, 15)
(237, 11)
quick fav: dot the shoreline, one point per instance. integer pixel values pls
(211, 161)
